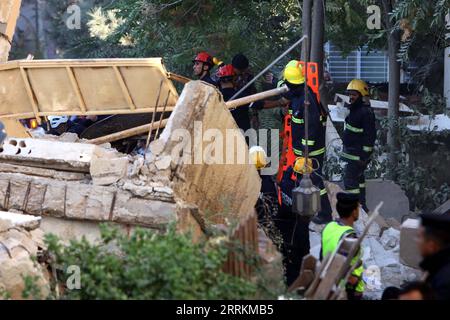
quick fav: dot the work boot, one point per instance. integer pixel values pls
(322, 219)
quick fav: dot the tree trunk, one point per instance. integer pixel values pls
(394, 91)
(306, 27)
(9, 12)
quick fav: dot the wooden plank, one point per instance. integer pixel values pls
(76, 88)
(331, 278)
(12, 19)
(308, 268)
(30, 94)
(178, 78)
(124, 88)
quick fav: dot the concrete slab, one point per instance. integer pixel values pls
(396, 204)
(409, 253)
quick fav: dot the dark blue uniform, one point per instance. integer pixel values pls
(316, 139)
(358, 139)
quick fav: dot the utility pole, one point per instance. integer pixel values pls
(9, 12)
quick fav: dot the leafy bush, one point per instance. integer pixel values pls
(147, 265)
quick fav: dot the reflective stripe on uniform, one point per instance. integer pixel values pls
(353, 129)
(367, 149)
(323, 192)
(355, 191)
(310, 142)
(297, 120)
(311, 154)
(362, 185)
(290, 111)
(317, 152)
(350, 156)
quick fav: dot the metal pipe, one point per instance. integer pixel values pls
(269, 66)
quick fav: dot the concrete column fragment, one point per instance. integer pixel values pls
(409, 252)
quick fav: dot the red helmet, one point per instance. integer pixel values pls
(204, 57)
(226, 71)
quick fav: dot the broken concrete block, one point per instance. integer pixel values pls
(409, 252)
(99, 204)
(396, 203)
(36, 152)
(374, 229)
(67, 229)
(20, 220)
(393, 223)
(150, 213)
(4, 190)
(107, 170)
(76, 199)
(35, 198)
(230, 190)
(17, 194)
(54, 201)
(16, 251)
(390, 239)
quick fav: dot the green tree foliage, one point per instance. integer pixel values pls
(176, 30)
(147, 265)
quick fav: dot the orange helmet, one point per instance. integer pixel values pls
(204, 57)
(226, 71)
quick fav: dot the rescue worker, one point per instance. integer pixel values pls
(434, 246)
(289, 232)
(358, 139)
(227, 77)
(347, 207)
(241, 67)
(203, 63)
(295, 80)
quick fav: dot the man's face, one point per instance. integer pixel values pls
(198, 68)
(412, 295)
(427, 246)
(353, 95)
(356, 213)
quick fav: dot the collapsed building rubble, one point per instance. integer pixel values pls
(74, 186)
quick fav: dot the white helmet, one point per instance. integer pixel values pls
(55, 121)
(258, 157)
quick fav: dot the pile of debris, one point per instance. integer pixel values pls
(390, 255)
(20, 241)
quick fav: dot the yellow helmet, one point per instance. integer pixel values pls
(293, 72)
(360, 86)
(301, 167)
(258, 157)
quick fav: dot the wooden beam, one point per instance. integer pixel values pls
(76, 88)
(178, 78)
(30, 94)
(255, 97)
(123, 86)
(127, 133)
